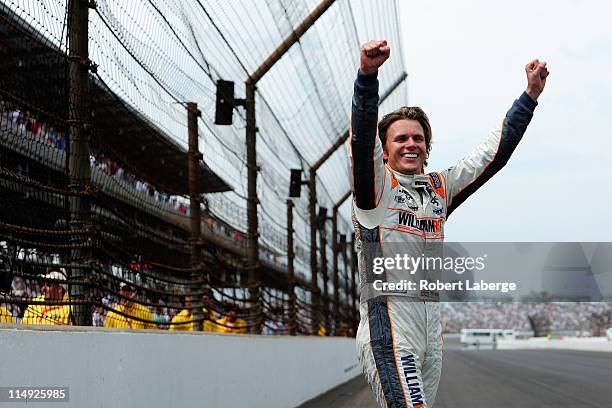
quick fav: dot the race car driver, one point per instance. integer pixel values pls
(398, 209)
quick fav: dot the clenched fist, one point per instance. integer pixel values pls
(373, 54)
(536, 78)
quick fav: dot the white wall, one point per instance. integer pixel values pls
(565, 343)
(111, 368)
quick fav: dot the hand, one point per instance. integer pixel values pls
(373, 54)
(536, 78)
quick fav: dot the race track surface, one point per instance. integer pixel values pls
(504, 379)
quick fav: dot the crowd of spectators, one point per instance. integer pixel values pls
(127, 313)
(23, 123)
(26, 125)
(112, 168)
(563, 317)
(37, 303)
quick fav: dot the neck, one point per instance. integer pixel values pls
(402, 174)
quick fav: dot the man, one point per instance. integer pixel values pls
(210, 317)
(399, 210)
(129, 314)
(178, 321)
(53, 290)
(232, 323)
(5, 288)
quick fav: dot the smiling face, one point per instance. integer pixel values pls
(405, 149)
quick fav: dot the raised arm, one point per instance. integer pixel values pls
(487, 159)
(368, 169)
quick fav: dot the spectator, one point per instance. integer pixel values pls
(343, 330)
(37, 313)
(14, 116)
(178, 321)
(160, 316)
(123, 316)
(19, 291)
(5, 287)
(210, 324)
(97, 317)
(34, 128)
(275, 326)
(232, 323)
(61, 142)
(51, 137)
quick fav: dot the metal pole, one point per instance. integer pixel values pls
(78, 135)
(294, 36)
(346, 281)
(290, 271)
(335, 279)
(312, 203)
(354, 283)
(252, 220)
(195, 200)
(323, 249)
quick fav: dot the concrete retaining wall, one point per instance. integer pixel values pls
(112, 368)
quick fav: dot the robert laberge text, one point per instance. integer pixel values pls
(480, 285)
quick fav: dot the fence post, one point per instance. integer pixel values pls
(324, 274)
(291, 271)
(78, 163)
(195, 199)
(354, 277)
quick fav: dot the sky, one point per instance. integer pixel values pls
(465, 62)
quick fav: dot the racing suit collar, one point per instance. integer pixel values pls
(410, 180)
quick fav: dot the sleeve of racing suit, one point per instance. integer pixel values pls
(370, 180)
(487, 159)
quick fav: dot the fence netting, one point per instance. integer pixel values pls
(98, 233)
(95, 212)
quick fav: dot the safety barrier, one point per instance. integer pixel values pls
(115, 368)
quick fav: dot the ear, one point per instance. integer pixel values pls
(385, 153)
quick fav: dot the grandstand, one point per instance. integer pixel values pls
(567, 318)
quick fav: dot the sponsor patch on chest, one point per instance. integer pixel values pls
(407, 219)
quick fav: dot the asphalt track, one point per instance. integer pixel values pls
(504, 379)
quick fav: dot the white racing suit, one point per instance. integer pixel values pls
(399, 340)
